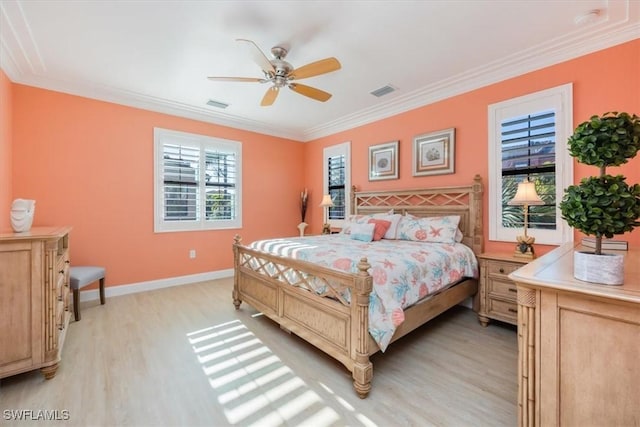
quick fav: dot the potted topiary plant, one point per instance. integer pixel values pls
(603, 205)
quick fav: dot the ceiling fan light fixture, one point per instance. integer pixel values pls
(217, 104)
(280, 73)
(384, 90)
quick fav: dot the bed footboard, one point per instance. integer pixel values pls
(335, 320)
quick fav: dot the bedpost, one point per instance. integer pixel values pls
(236, 266)
(475, 205)
(352, 204)
(363, 368)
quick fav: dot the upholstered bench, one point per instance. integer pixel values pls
(81, 277)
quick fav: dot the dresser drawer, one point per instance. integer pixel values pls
(503, 309)
(505, 289)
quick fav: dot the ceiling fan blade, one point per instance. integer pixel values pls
(270, 97)
(311, 92)
(236, 79)
(316, 68)
(258, 57)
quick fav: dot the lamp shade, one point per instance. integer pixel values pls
(526, 195)
(326, 201)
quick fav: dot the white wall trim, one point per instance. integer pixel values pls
(19, 54)
(151, 285)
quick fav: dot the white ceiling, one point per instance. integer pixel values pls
(157, 54)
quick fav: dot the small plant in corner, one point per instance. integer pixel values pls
(604, 205)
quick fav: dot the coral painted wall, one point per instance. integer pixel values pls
(603, 81)
(6, 101)
(89, 164)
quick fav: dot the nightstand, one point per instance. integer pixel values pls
(498, 293)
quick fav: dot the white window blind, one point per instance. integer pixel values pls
(197, 182)
(337, 180)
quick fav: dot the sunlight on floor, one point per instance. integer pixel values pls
(254, 387)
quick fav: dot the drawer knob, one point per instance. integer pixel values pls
(513, 310)
(61, 272)
(501, 270)
(66, 262)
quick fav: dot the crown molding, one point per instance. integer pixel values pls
(151, 103)
(21, 61)
(524, 62)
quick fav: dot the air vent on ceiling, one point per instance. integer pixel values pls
(384, 90)
(217, 104)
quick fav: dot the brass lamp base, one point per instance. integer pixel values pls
(524, 247)
(326, 229)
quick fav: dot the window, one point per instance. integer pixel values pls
(197, 182)
(528, 140)
(337, 181)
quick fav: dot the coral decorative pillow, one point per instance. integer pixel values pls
(441, 229)
(363, 232)
(380, 227)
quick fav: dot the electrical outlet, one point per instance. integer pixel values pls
(192, 253)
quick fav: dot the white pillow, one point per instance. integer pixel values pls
(363, 232)
(392, 232)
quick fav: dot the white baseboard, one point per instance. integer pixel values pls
(132, 288)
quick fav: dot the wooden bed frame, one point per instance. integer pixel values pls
(277, 286)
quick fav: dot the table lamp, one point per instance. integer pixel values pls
(525, 196)
(326, 204)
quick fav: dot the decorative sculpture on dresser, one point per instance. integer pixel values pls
(22, 211)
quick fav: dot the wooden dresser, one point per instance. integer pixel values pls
(34, 299)
(578, 345)
(497, 293)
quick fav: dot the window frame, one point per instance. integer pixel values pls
(560, 99)
(332, 151)
(164, 136)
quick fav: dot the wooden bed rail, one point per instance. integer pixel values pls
(339, 324)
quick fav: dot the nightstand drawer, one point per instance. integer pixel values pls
(498, 268)
(506, 289)
(503, 309)
(497, 294)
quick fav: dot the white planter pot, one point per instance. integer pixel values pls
(605, 269)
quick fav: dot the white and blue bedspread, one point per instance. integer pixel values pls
(403, 272)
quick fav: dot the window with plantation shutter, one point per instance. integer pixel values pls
(197, 182)
(529, 152)
(527, 140)
(337, 181)
(336, 185)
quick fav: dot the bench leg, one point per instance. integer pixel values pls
(102, 291)
(76, 304)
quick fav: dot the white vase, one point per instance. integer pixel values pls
(22, 211)
(605, 269)
(301, 227)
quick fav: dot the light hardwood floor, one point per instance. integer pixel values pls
(183, 356)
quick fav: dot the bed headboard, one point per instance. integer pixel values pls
(465, 201)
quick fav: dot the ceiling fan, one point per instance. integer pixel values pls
(282, 74)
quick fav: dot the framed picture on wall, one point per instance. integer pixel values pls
(434, 153)
(383, 161)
